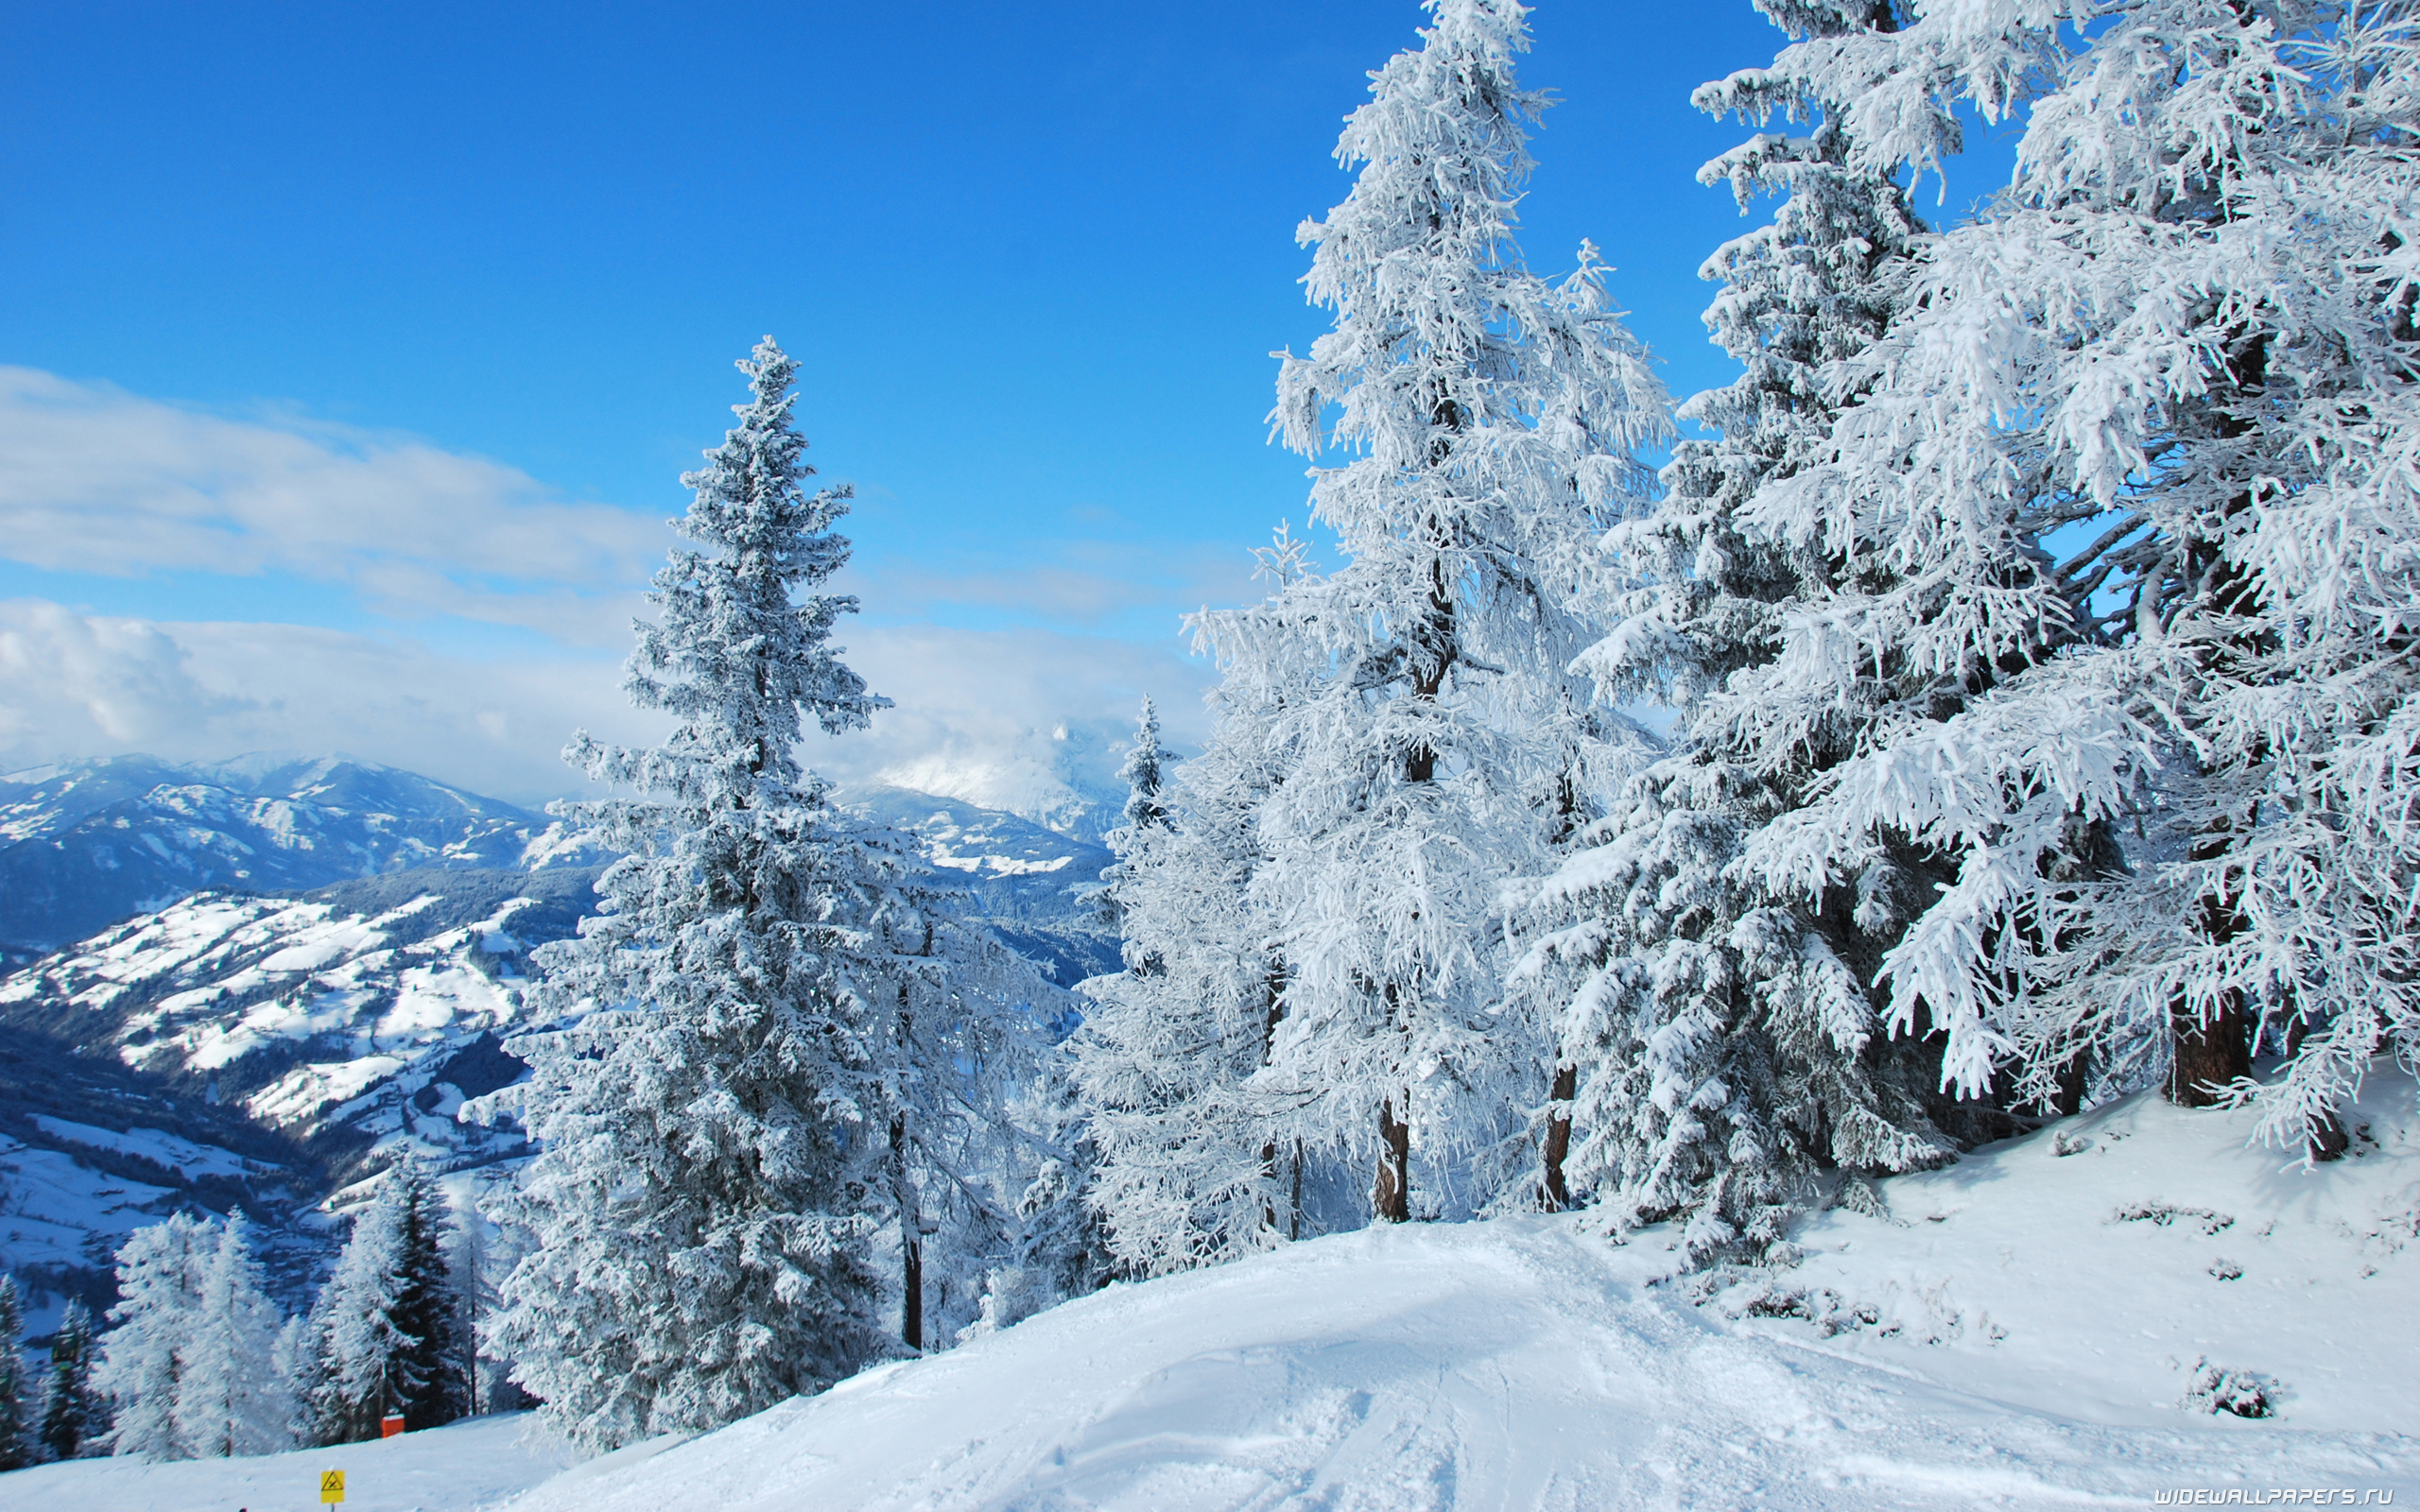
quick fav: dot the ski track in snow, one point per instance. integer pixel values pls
(1515, 1363)
(2028, 1347)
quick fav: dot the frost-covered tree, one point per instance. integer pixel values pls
(160, 1274)
(1185, 1173)
(1492, 422)
(75, 1416)
(1718, 1036)
(386, 1334)
(2136, 452)
(231, 1398)
(20, 1401)
(772, 1041)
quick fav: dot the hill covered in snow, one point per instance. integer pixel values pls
(2037, 1326)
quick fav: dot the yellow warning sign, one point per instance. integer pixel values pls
(331, 1486)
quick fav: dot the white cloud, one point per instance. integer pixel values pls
(95, 480)
(975, 707)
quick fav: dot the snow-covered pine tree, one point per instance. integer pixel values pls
(773, 1038)
(385, 1331)
(1496, 420)
(74, 1416)
(1718, 1037)
(19, 1399)
(160, 1271)
(2162, 513)
(1185, 1173)
(231, 1399)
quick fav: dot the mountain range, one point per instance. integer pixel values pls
(241, 1026)
(83, 845)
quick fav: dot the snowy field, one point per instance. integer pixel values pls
(473, 1464)
(2038, 1348)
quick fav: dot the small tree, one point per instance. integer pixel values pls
(20, 1409)
(160, 1273)
(76, 1415)
(385, 1334)
(1185, 1173)
(231, 1398)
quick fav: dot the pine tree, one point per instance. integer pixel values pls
(2162, 523)
(160, 1271)
(1496, 420)
(231, 1399)
(786, 1043)
(1717, 1037)
(1185, 1174)
(74, 1418)
(20, 1413)
(386, 1334)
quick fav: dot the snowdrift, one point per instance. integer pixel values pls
(2023, 1329)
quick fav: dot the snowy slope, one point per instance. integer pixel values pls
(453, 1468)
(94, 842)
(2040, 1359)
(367, 1011)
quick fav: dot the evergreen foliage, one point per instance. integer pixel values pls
(160, 1276)
(2132, 462)
(1441, 743)
(75, 1416)
(230, 1397)
(1184, 1173)
(386, 1334)
(1723, 1045)
(20, 1442)
(772, 1042)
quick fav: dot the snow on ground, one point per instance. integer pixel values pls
(2042, 1350)
(54, 1209)
(469, 1465)
(2095, 1268)
(2024, 1329)
(173, 1151)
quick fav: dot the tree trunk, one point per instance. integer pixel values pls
(2069, 1101)
(911, 1253)
(1390, 1196)
(2204, 1057)
(1557, 1195)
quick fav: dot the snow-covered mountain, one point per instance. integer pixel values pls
(1036, 886)
(1063, 779)
(238, 1046)
(241, 1049)
(89, 843)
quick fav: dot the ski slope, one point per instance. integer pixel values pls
(2028, 1347)
(467, 1465)
(2022, 1330)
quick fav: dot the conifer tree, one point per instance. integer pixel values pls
(1718, 1038)
(1185, 1173)
(20, 1408)
(231, 1398)
(386, 1334)
(2162, 527)
(773, 1041)
(75, 1416)
(160, 1271)
(1495, 422)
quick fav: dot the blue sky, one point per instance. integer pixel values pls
(359, 346)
